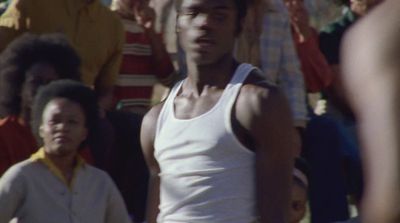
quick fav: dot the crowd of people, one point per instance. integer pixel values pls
(234, 134)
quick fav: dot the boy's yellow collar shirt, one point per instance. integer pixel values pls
(40, 156)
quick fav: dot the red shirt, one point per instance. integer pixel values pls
(316, 70)
(17, 142)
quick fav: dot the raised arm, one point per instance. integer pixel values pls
(265, 114)
(147, 136)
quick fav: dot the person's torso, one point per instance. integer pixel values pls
(206, 175)
(47, 199)
(137, 76)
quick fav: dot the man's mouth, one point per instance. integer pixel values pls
(205, 41)
(61, 139)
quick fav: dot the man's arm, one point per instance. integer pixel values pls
(265, 115)
(147, 136)
(371, 68)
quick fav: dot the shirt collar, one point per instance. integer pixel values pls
(40, 156)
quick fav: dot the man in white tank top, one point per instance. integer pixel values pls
(220, 147)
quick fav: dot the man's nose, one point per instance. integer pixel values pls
(203, 20)
(62, 126)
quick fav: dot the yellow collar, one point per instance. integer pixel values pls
(40, 155)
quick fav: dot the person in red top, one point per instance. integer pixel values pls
(27, 63)
(145, 59)
(316, 70)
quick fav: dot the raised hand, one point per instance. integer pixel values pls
(144, 15)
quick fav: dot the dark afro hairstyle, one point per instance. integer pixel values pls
(26, 51)
(74, 91)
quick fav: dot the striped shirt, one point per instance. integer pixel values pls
(139, 73)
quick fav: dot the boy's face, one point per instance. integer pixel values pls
(63, 127)
(207, 29)
(298, 204)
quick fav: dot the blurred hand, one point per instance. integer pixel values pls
(299, 18)
(145, 15)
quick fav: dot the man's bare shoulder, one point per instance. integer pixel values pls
(261, 104)
(262, 109)
(151, 117)
(259, 92)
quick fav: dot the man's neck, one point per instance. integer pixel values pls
(217, 74)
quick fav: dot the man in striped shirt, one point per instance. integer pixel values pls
(145, 60)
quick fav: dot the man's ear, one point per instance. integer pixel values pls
(41, 134)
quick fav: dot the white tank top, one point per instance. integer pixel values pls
(206, 174)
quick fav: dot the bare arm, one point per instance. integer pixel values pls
(371, 78)
(147, 136)
(265, 114)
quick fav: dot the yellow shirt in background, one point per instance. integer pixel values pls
(94, 31)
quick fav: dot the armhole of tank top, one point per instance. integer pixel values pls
(230, 105)
(166, 108)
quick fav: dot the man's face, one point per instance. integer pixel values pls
(207, 29)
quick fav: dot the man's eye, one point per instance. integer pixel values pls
(73, 121)
(52, 122)
(219, 16)
(190, 13)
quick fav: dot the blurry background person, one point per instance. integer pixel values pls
(145, 60)
(28, 63)
(280, 63)
(299, 197)
(55, 184)
(92, 29)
